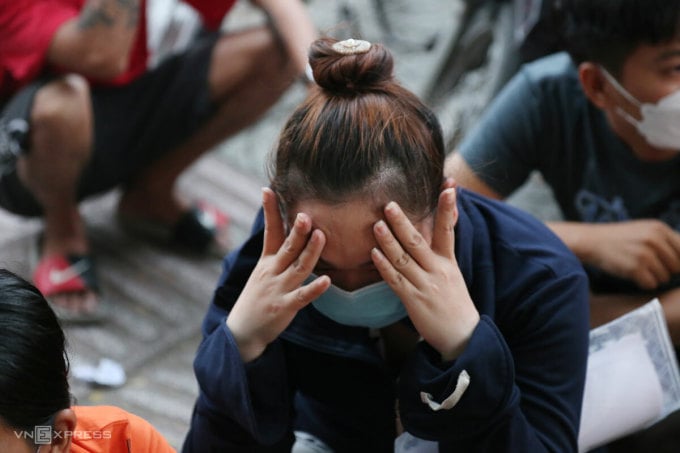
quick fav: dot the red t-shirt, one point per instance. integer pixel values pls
(27, 28)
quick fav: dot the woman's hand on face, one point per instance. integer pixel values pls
(274, 292)
(427, 278)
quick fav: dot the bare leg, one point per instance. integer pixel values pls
(248, 74)
(61, 139)
(607, 307)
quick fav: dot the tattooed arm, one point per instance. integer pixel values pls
(97, 43)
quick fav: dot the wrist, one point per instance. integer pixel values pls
(466, 328)
(248, 348)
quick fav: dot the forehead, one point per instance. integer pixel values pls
(348, 228)
(647, 57)
(651, 71)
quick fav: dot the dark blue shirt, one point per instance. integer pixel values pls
(543, 121)
(526, 358)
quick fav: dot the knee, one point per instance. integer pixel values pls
(272, 52)
(62, 113)
(270, 61)
(260, 49)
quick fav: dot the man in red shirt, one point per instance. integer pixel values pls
(82, 113)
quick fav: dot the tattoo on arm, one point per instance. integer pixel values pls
(98, 14)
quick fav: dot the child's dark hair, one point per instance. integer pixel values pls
(33, 363)
(359, 134)
(608, 31)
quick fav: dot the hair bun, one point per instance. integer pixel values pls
(350, 66)
(352, 46)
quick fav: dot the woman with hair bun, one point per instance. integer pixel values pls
(376, 298)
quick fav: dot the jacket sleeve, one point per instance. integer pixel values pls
(241, 406)
(525, 383)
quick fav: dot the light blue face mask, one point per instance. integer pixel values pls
(374, 306)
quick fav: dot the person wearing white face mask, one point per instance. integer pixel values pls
(601, 123)
(375, 298)
(660, 120)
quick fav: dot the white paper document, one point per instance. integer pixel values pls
(407, 443)
(632, 378)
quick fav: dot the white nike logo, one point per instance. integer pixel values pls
(208, 219)
(57, 277)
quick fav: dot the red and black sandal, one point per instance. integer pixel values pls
(63, 274)
(197, 230)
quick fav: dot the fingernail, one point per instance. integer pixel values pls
(381, 228)
(391, 207)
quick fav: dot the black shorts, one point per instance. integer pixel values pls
(14, 126)
(134, 125)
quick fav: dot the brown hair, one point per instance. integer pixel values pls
(359, 133)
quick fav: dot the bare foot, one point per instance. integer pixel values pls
(76, 303)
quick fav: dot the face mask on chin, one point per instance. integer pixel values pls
(374, 306)
(660, 123)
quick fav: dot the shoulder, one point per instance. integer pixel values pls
(110, 427)
(514, 264)
(556, 68)
(552, 79)
(543, 96)
(515, 235)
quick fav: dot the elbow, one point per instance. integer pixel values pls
(105, 66)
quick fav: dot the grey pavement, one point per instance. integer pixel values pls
(160, 296)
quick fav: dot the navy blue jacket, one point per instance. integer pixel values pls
(526, 358)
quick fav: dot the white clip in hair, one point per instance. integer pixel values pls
(352, 46)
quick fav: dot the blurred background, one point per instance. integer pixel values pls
(455, 54)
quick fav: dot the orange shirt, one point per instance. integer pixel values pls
(108, 429)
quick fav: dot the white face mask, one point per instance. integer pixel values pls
(660, 124)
